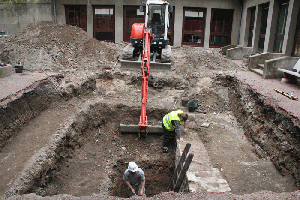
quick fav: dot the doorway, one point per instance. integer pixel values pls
(193, 26)
(220, 27)
(104, 23)
(263, 28)
(251, 25)
(283, 11)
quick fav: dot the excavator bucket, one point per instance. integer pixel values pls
(130, 128)
(136, 65)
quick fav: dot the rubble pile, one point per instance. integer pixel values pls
(51, 46)
(194, 62)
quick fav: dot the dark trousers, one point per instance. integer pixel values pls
(169, 137)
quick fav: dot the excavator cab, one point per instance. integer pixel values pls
(157, 21)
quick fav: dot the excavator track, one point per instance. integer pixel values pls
(128, 52)
(166, 54)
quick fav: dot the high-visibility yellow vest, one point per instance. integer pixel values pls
(169, 117)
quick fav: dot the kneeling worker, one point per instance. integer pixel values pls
(171, 123)
(135, 178)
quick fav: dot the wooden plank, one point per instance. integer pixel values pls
(179, 166)
(183, 172)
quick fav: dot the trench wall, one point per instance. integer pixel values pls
(17, 110)
(273, 131)
(16, 114)
(59, 147)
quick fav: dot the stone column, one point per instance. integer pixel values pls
(90, 20)
(290, 28)
(245, 26)
(178, 23)
(119, 21)
(236, 25)
(256, 29)
(271, 26)
(207, 27)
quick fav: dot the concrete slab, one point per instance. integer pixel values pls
(290, 72)
(258, 71)
(265, 88)
(136, 65)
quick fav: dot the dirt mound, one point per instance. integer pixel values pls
(199, 62)
(47, 45)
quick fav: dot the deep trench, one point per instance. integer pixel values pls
(101, 151)
(271, 131)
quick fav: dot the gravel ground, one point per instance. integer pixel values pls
(172, 195)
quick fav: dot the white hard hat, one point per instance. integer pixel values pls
(132, 166)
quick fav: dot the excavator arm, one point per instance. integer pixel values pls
(145, 67)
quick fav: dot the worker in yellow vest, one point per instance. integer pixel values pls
(171, 123)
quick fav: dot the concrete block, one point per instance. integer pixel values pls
(224, 49)
(238, 53)
(5, 71)
(271, 66)
(261, 58)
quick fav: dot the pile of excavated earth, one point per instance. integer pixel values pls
(60, 136)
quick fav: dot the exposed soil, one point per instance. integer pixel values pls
(65, 141)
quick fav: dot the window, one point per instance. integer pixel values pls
(104, 12)
(193, 26)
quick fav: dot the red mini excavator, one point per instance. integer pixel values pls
(148, 41)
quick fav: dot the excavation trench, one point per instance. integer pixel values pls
(88, 154)
(94, 156)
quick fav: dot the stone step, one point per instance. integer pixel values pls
(258, 71)
(261, 65)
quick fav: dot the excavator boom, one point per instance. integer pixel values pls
(143, 127)
(148, 40)
(145, 67)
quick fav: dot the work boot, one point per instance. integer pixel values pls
(166, 150)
